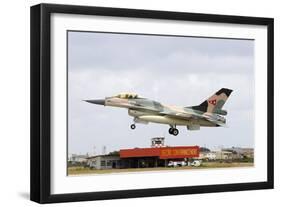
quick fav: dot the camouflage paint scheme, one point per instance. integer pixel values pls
(207, 114)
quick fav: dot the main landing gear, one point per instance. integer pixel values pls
(173, 131)
(133, 126)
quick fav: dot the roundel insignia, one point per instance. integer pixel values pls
(213, 102)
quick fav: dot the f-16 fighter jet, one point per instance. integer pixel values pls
(207, 114)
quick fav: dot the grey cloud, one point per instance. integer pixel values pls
(122, 51)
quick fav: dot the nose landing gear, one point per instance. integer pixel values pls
(133, 126)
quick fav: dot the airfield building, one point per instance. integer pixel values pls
(104, 162)
(75, 159)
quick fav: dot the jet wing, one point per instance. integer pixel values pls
(147, 106)
(179, 114)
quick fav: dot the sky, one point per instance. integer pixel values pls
(182, 71)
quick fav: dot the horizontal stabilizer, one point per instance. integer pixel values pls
(215, 119)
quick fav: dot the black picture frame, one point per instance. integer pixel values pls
(41, 102)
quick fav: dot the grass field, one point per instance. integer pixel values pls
(205, 165)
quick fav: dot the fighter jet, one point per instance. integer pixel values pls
(207, 114)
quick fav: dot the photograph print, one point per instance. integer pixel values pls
(143, 102)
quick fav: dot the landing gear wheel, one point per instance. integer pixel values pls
(175, 132)
(133, 126)
(171, 130)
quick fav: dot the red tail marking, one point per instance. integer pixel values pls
(213, 102)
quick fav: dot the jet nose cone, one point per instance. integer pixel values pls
(97, 101)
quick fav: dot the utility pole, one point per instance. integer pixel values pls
(104, 150)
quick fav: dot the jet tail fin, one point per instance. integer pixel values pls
(215, 103)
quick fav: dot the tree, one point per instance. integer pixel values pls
(204, 149)
(114, 153)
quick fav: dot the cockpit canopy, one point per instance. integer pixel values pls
(127, 95)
